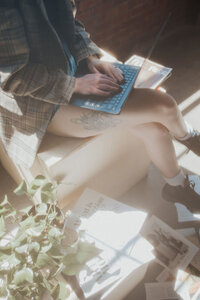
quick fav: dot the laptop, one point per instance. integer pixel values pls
(114, 103)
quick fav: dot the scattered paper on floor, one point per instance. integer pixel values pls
(161, 291)
(171, 249)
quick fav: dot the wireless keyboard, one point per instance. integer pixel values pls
(112, 104)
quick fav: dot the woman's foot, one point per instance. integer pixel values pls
(188, 194)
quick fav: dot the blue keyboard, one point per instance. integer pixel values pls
(112, 104)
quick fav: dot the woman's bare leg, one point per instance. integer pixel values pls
(159, 146)
(143, 106)
(148, 114)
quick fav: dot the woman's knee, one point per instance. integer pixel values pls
(166, 105)
(152, 100)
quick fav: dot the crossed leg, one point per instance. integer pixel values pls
(149, 114)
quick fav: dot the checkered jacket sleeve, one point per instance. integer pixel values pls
(21, 77)
(84, 46)
(18, 75)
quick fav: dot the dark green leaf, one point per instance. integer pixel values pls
(72, 265)
(28, 222)
(8, 262)
(54, 233)
(2, 226)
(86, 251)
(3, 290)
(21, 237)
(5, 202)
(43, 260)
(22, 276)
(21, 189)
(46, 248)
(22, 249)
(72, 269)
(4, 211)
(34, 247)
(36, 184)
(25, 210)
(35, 231)
(41, 209)
(64, 292)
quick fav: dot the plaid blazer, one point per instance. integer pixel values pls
(33, 72)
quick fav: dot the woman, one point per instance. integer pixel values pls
(41, 47)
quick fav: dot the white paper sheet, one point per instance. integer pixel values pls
(163, 276)
(152, 73)
(171, 249)
(114, 227)
(161, 291)
(187, 286)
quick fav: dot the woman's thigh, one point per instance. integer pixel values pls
(142, 106)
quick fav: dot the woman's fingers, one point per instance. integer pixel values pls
(115, 73)
(118, 74)
(110, 82)
(96, 84)
(102, 93)
(107, 87)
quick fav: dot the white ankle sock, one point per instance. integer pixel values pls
(179, 179)
(190, 133)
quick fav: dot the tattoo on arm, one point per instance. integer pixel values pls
(98, 121)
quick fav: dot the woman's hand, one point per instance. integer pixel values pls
(96, 84)
(95, 65)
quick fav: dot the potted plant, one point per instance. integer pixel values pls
(39, 247)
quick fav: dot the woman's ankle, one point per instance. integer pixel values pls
(176, 180)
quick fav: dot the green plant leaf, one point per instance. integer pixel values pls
(85, 251)
(75, 261)
(41, 209)
(22, 249)
(27, 222)
(48, 187)
(5, 250)
(47, 197)
(72, 265)
(21, 189)
(3, 290)
(4, 211)
(48, 193)
(54, 232)
(8, 262)
(72, 269)
(25, 210)
(5, 207)
(20, 237)
(64, 291)
(2, 226)
(43, 260)
(22, 276)
(34, 247)
(56, 251)
(4, 202)
(11, 214)
(46, 248)
(36, 184)
(35, 231)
